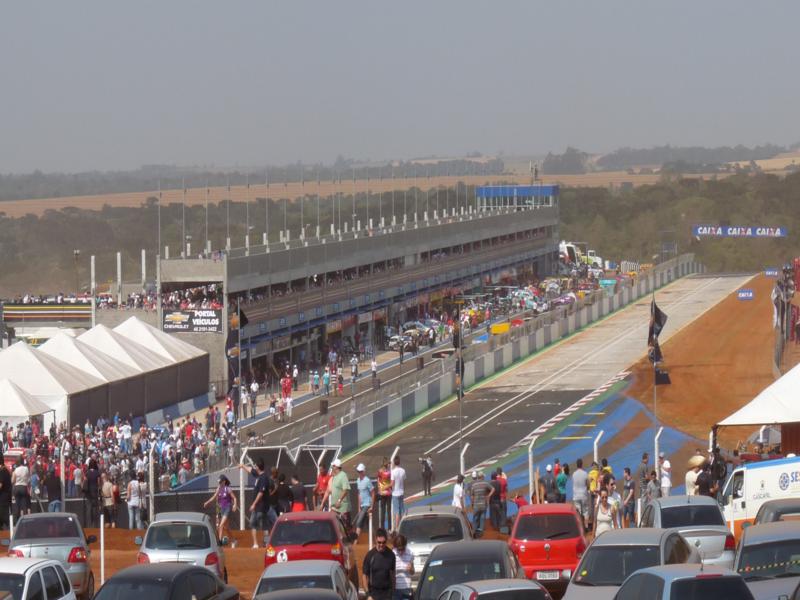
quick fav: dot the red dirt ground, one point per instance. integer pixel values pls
(717, 365)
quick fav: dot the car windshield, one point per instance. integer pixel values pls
(125, 589)
(434, 528)
(177, 536)
(46, 527)
(276, 584)
(306, 531)
(546, 527)
(772, 559)
(522, 594)
(709, 588)
(439, 574)
(11, 586)
(610, 565)
(690, 515)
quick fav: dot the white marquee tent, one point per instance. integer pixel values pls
(124, 349)
(777, 403)
(157, 341)
(87, 358)
(17, 405)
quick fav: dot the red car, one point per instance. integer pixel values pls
(548, 541)
(311, 535)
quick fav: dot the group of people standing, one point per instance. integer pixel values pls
(485, 496)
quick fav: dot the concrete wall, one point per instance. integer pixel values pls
(501, 352)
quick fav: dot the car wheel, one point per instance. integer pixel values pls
(89, 593)
(225, 574)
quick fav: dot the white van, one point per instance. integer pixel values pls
(752, 484)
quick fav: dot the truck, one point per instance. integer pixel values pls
(579, 252)
(752, 484)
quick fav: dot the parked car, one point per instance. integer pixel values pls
(548, 540)
(166, 581)
(778, 510)
(308, 535)
(700, 521)
(58, 536)
(182, 537)
(459, 562)
(306, 574)
(29, 577)
(299, 594)
(425, 527)
(768, 559)
(496, 589)
(679, 582)
(613, 556)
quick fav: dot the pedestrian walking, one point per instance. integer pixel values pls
(652, 490)
(299, 494)
(427, 474)
(339, 493)
(258, 508)
(21, 484)
(548, 484)
(137, 498)
(295, 378)
(323, 479)
(226, 503)
(580, 492)
(378, 569)
(481, 493)
(458, 493)
(384, 497)
(495, 508)
(52, 486)
(326, 381)
(561, 483)
(605, 518)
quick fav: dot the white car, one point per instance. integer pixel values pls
(44, 579)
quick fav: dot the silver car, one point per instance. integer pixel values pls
(496, 589)
(613, 556)
(182, 537)
(57, 536)
(684, 581)
(306, 574)
(27, 577)
(700, 521)
(425, 527)
(767, 558)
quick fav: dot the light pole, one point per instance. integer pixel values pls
(75, 254)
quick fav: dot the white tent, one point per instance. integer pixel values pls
(87, 358)
(18, 405)
(778, 403)
(159, 342)
(47, 378)
(126, 351)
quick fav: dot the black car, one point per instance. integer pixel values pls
(166, 581)
(459, 562)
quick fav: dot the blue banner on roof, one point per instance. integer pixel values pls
(738, 231)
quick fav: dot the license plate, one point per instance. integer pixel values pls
(546, 575)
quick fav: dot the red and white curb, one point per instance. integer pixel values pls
(544, 428)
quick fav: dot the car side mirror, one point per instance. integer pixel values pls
(138, 540)
(91, 539)
(5, 542)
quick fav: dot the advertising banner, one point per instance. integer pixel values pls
(738, 231)
(745, 294)
(193, 321)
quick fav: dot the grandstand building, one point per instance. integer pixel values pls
(300, 296)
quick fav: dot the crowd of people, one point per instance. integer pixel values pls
(106, 463)
(200, 297)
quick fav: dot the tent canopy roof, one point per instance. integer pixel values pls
(87, 358)
(16, 402)
(41, 374)
(777, 403)
(124, 350)
(164, 344)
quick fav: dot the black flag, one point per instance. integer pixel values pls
(654, 353)
(662, 377)
(657, 321)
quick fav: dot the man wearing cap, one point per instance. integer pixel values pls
(548, 484)
(482, 493)
(366, 497)
(339, 493)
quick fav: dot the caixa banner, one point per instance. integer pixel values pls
(734, 231)
(202, 320)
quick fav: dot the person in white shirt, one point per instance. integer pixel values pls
(404, 569)
(398, 492)
(666, 474)
(458, 493)
(691, 480)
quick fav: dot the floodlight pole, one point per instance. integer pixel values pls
(530, 467)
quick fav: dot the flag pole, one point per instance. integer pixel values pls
(655, 359)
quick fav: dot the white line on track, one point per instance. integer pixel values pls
(512, 402)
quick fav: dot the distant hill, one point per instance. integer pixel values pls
(625, 158)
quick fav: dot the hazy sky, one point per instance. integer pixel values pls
(114, 85)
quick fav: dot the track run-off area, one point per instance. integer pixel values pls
(566, 394)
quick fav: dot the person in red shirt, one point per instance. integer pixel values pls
(556, 467)
(323, 478)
